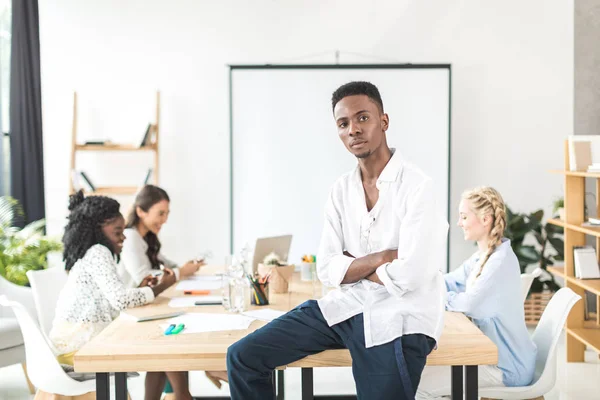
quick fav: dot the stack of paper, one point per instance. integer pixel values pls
(200, 322)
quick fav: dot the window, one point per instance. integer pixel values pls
(5, 35)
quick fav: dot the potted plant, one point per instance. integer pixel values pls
(558, 208)
(535, 242)
(22, 249)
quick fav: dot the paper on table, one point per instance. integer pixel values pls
(206, 278)
(201, 322)
(265, 314)
(196, 284)
(189, 301)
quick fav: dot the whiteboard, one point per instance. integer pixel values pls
(286, 153)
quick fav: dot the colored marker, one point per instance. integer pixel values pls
(196, 292)
(178, 329)
(169, 330)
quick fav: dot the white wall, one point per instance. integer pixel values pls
(512, 87)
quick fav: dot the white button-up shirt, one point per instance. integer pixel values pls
(405, 217)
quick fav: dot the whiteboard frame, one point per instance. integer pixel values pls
(234, 67)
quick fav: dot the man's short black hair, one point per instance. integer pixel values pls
(357, 88)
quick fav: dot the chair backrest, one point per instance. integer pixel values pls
(22, 294)
(43, 369)
(46, 285)
(547, 334)
(527, 280)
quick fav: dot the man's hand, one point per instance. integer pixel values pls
(387, 256)
(374, 278)
(363, 267)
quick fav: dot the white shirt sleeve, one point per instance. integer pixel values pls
(421, 240)
(134, 258)
(332, 264)
(103, 268)
(484, 298)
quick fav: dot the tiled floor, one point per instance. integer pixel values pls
(575, 381)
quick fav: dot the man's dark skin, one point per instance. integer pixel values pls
(362, 125)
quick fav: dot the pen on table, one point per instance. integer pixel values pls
(197, 292)
(169, 329)
(178, 329)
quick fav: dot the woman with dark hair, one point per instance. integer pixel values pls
(94, 295)
(141, 256)
(141, 253)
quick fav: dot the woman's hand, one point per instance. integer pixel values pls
(166, 280)
(149, 281)
(190, 268)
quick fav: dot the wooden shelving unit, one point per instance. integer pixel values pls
(110, 147)
(580, 333)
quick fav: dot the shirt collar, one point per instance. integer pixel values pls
(392, 168)
(390, 172)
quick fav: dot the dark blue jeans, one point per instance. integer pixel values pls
(390, 371)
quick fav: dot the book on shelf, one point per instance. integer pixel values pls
(586, 263)
(147, 139)
(580, 153)
(592, 222)
(87, 183)
(590, 308)
(148, 176)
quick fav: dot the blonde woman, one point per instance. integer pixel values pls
(487, 288)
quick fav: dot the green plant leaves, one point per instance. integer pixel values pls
(24, 249)
(546, 250)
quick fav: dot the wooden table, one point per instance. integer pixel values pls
(126, 346)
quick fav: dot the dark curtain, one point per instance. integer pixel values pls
(26, 148)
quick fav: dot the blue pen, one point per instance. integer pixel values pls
(169, 329)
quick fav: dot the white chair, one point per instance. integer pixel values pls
(46, 285)
(546, 338)
(12, 349)
(44, 370)
(527, 280)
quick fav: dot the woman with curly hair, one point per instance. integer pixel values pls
(94, 295)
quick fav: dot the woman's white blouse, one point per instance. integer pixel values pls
(135, 264)
(91, 299)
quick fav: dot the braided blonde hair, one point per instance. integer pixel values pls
(487, 201)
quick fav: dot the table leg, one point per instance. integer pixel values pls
(471, 382)
(102, 386)
(121, 386)
(307, 384)
(280, 385)
(457, 382)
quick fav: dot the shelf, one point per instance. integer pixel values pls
(113, 147)
(591, 285)
(588, 230)
(124, 190)
(589, 336)
(557, 271)
(577, 173)
(557, 222)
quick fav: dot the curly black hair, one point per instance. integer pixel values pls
(357, 88)
(84, 229)
(148, 196)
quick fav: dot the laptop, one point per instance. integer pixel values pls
(279, 245)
